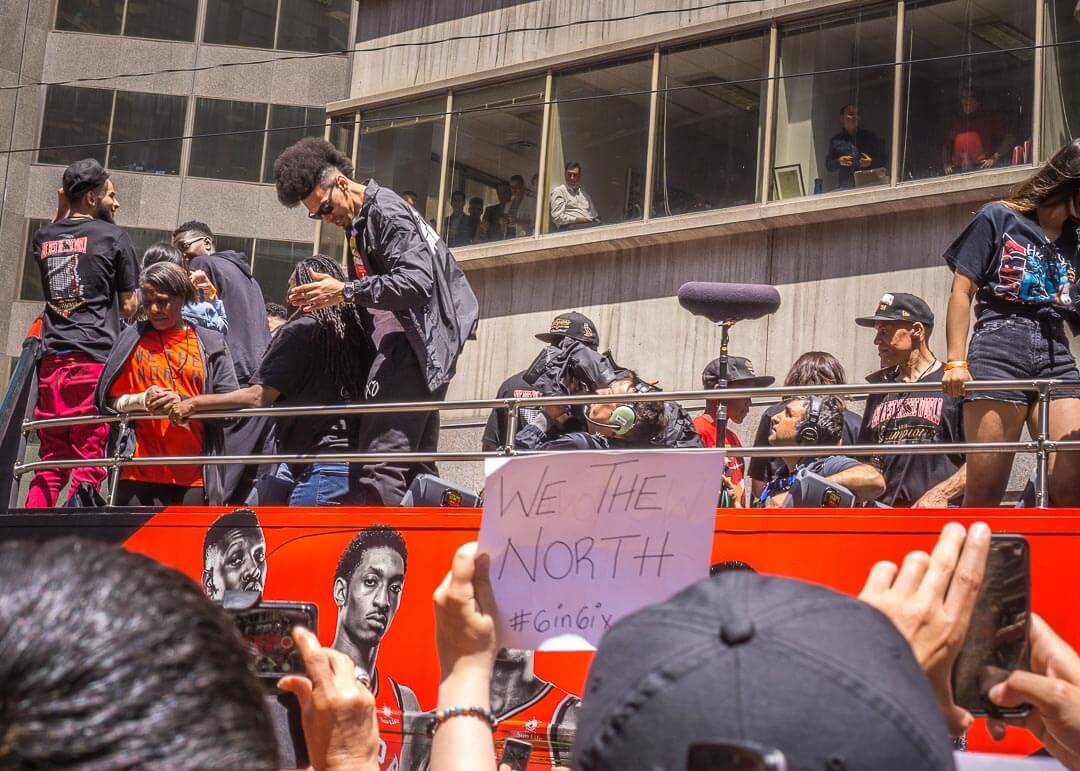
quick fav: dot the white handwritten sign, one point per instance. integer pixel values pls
(578, 540)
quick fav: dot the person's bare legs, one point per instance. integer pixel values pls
(987, 420)
(1064, 483)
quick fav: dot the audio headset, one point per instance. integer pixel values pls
(624, 417)
(808, 430)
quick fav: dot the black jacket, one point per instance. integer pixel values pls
(411, 272)
(248, 335)
(677, 433)
(219, 377)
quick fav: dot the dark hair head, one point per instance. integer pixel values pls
(121, 663)
(194, 226)
(476, 200)
(162, 251)
(458, 194)
(170, 279)
(517, 177)
(276, 311)
(816, 368)
(240, 519)
(1056, 182)
(572, 165)
(306, 165)
(845, 107)
(370, 538)
(830, 422)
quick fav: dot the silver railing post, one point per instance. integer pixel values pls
(114, 464)
(1042, 459)
(511, 425)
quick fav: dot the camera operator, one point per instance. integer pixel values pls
(816, 420)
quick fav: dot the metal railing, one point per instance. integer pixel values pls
(1041, 445)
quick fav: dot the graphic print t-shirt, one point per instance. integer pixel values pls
(84, 264)
(1017, 269)
(906, 418)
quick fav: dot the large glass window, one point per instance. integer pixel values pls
(708, 123)
(834, 128)
(161, 19)
(31, 277)
(240, 22)
(599, 120)
(274, 263)
(1061, 73)
(139, 115)
(232, 156)
(101, 16)
(288, 124)
(240, 244)
(75, 124)
(401, 148)
(143, 238)
(968, 91)
(494, 156)
(314, 25)
(332, 241)
(342, 131)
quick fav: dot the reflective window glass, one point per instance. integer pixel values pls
(708, 123)
(75, 124)
(342, 130)
(274, 263)
(332, 241)
(161, 19)
(101, 16)
(314, 25)
(401, 148)
(240, 244)
(834, 128)
(599, 121)
(287, 125)
(1061, 73)
(235, 156)
(31, 278)
(141, 115)
(240, 22)
(969, 88)
(494, 156)
(143, 238)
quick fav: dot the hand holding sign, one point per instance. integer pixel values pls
(580, 539)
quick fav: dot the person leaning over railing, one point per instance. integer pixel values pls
(155, 364)
(1017, 258)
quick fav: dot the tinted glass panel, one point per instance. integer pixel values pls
(972, 110)
(234, 244)
(240, 22)
(342, 129)
(103, 16)
(292, 123)
(332, 241)
(1061, 73)
(314, 25)
(710, 113)
(143, 238)
(274, 263)
(75, 116)
(161, 19)
(236, 156)
(31, 278)
(141, 115)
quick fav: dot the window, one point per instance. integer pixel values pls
(159, 19)
(319, 26)
(143, 238)
(139, 115)
(342, 131)
(494, 156)
(239, 244)
(274, 263)
(332, 241)
(834, 129)
(400, 148)
(75, 124)
(600, 119)
(31, 278)
(292, 123)
(1061, 73)
(708, 123)
(971, 110)
(104, 17)
(235, 156)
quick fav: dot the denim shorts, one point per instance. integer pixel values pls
(1019, 348)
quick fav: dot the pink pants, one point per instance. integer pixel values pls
(66, 384)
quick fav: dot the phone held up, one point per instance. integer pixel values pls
(998, 640)
(515, 755)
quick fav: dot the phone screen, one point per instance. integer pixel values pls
(267, 632)
(515, 755)
(733, 756)
(998, 639)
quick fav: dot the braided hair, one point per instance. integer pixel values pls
(341, 336)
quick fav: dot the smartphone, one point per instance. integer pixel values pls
(267, 632)
(734, 756)
(998, 640)
(515, 755)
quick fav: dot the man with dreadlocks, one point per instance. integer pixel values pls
(318, 357)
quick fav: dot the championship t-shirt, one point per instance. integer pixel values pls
(84, 264)
(1017, 268)
(907, 418)
(293, 365)
(172, 360)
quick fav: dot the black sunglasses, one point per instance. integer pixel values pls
(325, 208)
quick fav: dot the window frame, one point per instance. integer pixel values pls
(195, 37)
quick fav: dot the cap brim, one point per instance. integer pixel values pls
(763, 381)
(548, 338)
(869, 321)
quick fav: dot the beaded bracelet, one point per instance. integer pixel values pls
(440, 716)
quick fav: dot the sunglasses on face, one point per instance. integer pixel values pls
(184, 246)
(327, 207)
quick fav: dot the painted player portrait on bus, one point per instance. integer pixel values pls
(234, 554)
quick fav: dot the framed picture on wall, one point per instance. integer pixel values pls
(788, 181)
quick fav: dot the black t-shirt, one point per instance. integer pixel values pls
(921, 418)
(1017, 268)
(84, 264)
(764, 469)
(495, 431)
(293, 365)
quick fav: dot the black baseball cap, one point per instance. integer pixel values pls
(821, 676)
(740, 371)
(899, 306)
(83, 175)
(574, 325)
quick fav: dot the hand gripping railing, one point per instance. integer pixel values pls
(1041, 445)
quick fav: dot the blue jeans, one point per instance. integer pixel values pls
(319, 484)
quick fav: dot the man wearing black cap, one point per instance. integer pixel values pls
(902, 324)
(89, 275)
(573, 325)
(740, 373)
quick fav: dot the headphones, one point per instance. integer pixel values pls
(808, 431)
(621, 421)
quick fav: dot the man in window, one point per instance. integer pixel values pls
(89, 274)
(496, 224)
(853, 149)
(459, 227)
(420, 307)
(977, 139)
(572, 207)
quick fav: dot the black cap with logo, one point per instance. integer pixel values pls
(899, 306)
(82, 176)
(740, 371)
(574, 325)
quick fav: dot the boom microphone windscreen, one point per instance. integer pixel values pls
(728, 302)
